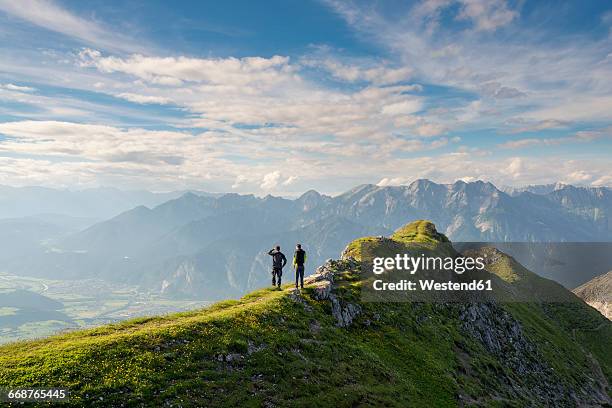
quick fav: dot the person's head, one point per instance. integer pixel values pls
(299, 246)
(278, 247)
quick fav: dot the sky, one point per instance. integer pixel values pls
(280, 97)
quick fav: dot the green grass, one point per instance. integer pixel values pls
(419, 231)
(176, 357)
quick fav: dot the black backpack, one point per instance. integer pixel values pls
(299, 256)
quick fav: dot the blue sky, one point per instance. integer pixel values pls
(283, 96)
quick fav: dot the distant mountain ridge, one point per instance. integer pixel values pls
(533, 188)
(100, 203)
(211, 246)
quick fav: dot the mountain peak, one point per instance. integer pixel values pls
(309, 194)
(419, 231)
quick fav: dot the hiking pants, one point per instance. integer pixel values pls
(276, 272)
(299, 275)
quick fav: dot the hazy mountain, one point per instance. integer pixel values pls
(598, 293)
(534, 189)
(23, 236)
(215, 246)
(99, 203)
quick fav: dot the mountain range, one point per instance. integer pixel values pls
(214, 246)
(94, 203)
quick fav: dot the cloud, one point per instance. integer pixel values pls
(538, 125)
(515, 167)
(516, 75)
(274, 179)
(239, 121)
(486, 15)
(378, 74)
(51, 16)
(270, 95)
(395, 181)
(430, 129)
(17, 88)
(290, 180)
(173, 71)
(578, 137)
(58, 153)
(240, 181)
(144, 99)
(403, 108)
(270, 180)
(497, 90)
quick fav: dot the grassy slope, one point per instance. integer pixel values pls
(284, 353)
(176, 358)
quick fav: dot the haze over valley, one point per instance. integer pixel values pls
(162, 252)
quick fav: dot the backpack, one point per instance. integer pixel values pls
(299, 256)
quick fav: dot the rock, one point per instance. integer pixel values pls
(322, 290)
(297, 297)
(253, 348)
(315, 326)
(502, 336)
(344, 314)
(323, 272)
(233, 357)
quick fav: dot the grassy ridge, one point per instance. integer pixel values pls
(271, 348)
(265, 348)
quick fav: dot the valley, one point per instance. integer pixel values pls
(42, 306)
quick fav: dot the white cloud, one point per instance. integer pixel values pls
(17, 88)
(514, 75)
(290, 180)
(270, 180)
(144, 99)
(578, 137)
(240, 181)
(538, 125)
(430, 129)
(515, 167)
(395, 181)
(61, 153)
(171, 71)
(403, 108)
(487, 15)
(257, 115)
(379, 74)
(51, 16)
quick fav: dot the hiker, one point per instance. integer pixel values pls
(299, 259)
(278, 262)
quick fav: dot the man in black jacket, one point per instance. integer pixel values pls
(278, 263)
(299, 259)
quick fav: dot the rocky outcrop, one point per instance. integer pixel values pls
(597, 293)
(344, 313)
(527, 374)
(322, 282)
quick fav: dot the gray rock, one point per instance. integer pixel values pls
(322, 290)
(343, 313)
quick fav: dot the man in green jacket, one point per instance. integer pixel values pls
(299, 259)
